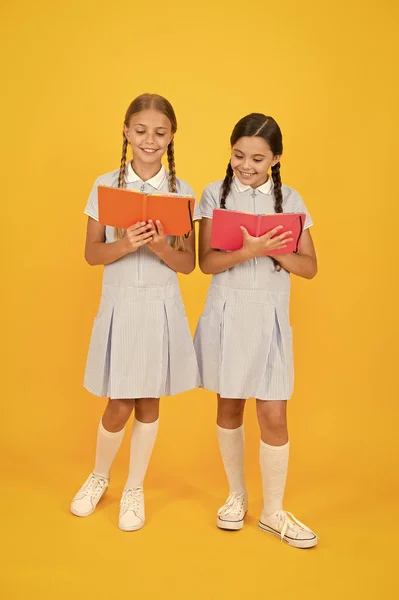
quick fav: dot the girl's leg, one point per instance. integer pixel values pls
(110, 434)
(230, 433)
(274, 452)
(145, 429)
(109, 438)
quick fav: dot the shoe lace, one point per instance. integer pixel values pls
(286, 520)
(132, 500)
(94, 486)
(233, 505)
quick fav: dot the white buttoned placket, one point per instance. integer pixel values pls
(254, 260)
(140, 252)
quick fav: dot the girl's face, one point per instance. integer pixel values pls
(251, 159)
(149, 134)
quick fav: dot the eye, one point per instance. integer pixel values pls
(161, 134)
(239, 157)
(140, 131)
(257, 159)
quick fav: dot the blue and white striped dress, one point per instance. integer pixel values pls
(141, 345)
(244, 339)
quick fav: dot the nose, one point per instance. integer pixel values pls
(246, 164)
(150, 138)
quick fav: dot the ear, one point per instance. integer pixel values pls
(126, 132)
(276, 159)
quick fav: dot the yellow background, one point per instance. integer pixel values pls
(328, 73)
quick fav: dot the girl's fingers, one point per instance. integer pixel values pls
(136, 237)
(277, 241)
(147, 236)
(287, 241)
(139, 231)
(160, 228)
(245, 233)
(270, 234)
(283, 235)
(136, 226)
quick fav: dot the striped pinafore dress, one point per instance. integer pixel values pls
(141, 346)
(243, 339)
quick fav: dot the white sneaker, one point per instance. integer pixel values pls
(131, 514)
(231, 514)
(89, 495)
(291, 531)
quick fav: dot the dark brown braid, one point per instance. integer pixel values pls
(278, 198)
(226, 185)
(121, 180)
(259, 125)
(278, 193)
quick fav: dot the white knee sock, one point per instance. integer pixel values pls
(143, 440)
(231, 443)
(274, 467)
(108, 444)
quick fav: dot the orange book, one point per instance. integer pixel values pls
(123, 208)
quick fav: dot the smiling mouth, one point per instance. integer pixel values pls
(149, 150)
(247, 175)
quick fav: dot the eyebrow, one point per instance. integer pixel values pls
(142, 125)
(253, 156)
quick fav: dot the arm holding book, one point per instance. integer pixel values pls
(304, 263)
(181, 261)
(212, 261)
(97, 252)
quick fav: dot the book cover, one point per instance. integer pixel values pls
(227, 235)
(123, 208)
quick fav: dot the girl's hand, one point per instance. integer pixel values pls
(159, 240)
(260, 246)
(136, 236)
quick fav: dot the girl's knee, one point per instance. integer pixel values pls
(147, 410)
(230, 408)
(273, 415)
(117, 413)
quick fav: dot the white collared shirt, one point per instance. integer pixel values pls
(156, 182)
(265, 188)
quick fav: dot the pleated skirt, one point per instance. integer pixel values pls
(243, 343)
(141, 346)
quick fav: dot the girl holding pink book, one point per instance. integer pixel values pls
(244, 338)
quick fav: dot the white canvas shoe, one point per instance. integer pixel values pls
(231, 514)
(89, 495)
(291, 531)
(132, 514)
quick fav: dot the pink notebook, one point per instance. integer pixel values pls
(227, 235)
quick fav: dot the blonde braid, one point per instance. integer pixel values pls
(119, 233)
(172, 168)
(178, 241)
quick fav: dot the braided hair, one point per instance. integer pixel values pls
(258, 125)
(121, 180)
(226, 185)
(178, 241)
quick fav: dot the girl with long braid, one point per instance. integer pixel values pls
(141, 347)
(244, 339)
